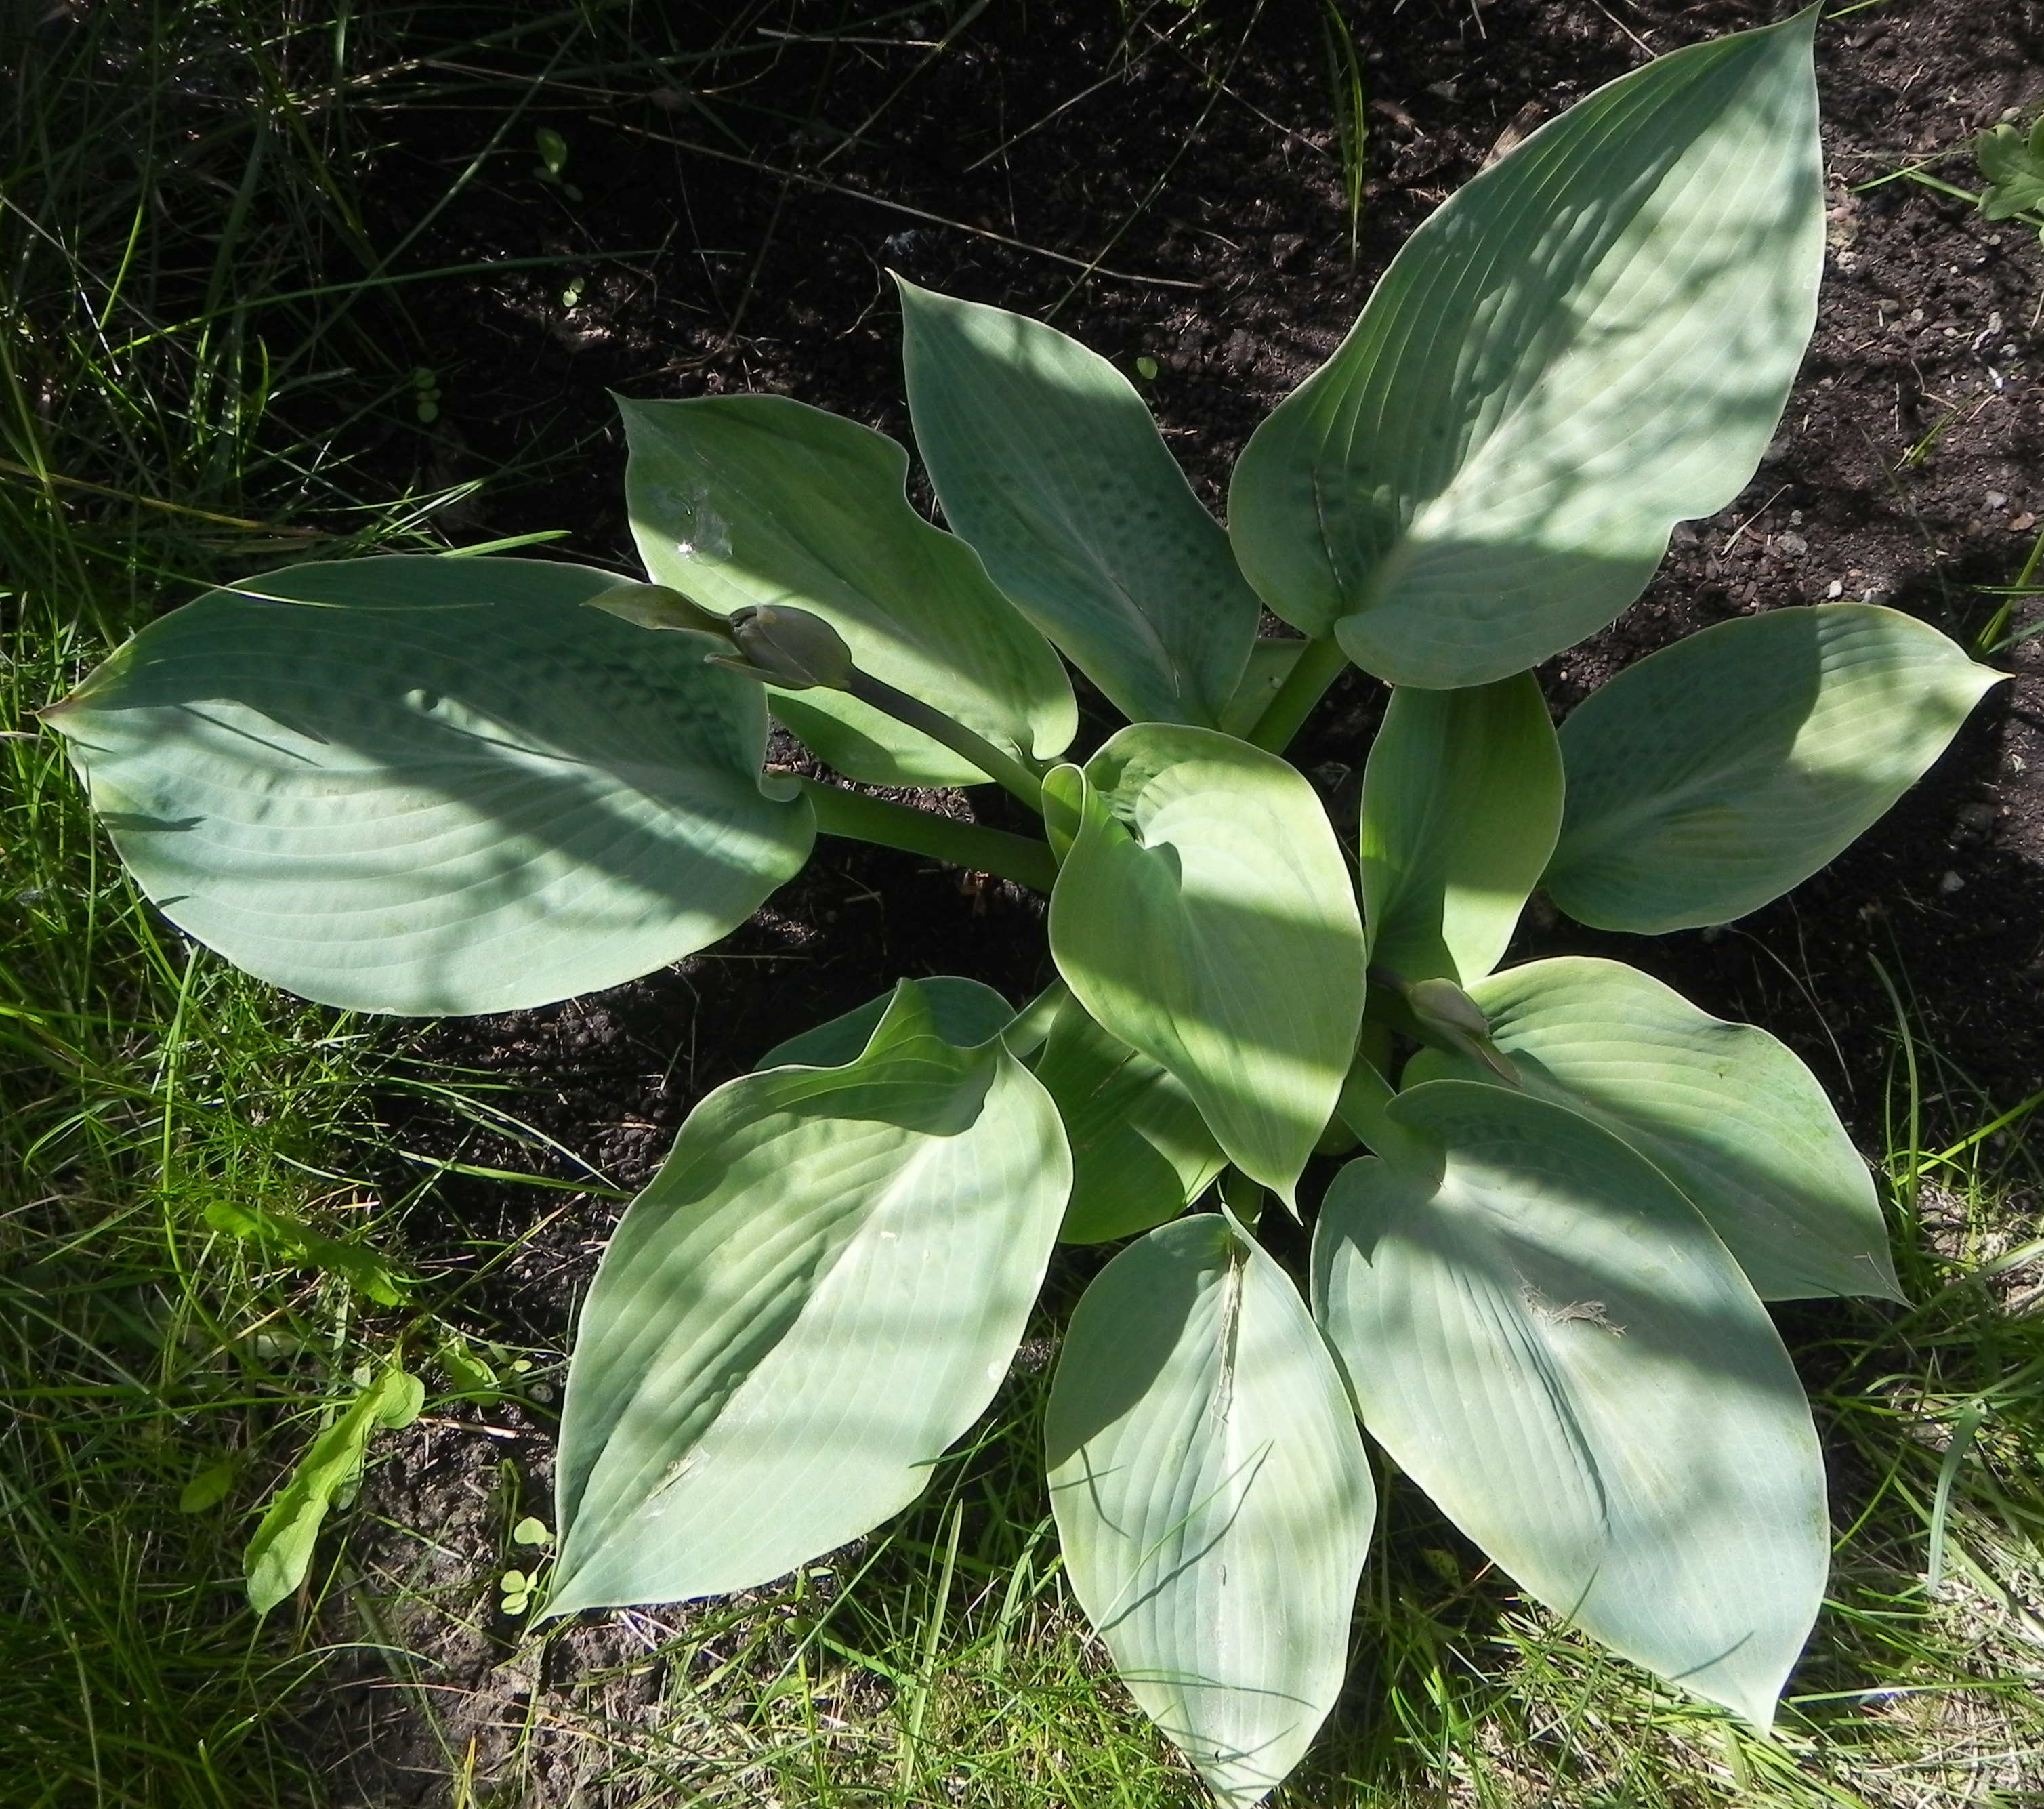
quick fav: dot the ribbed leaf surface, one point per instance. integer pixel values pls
(1205, 915)
(424, 784)
(817, 1294)
(1717, 774)
(1590, 341)
(1212, 1499)
(1046, 459)
(1727, 1113)
(753, 499)
(1548, 1340)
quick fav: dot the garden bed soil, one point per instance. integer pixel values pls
(1193, 149)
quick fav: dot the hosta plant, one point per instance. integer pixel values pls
(459, 785)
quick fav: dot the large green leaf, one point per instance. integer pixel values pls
(1212, 1499)
(424, 784)
(1462, 801)
(739, 500)
(1588, 343)
(962, 1011)
(1728, 1114)
(1141, 1153)
(1550, 1341)
(1047, 460)
(817, 1294)
(1204, 916)
(1715, 774)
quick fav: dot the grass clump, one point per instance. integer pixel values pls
(164, 418)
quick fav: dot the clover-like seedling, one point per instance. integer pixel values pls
(2013, 162)
(420, 785)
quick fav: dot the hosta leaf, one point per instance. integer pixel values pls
(1589, 342)
(817, 1294)
(1715, 774)
(1728, 1114)
(1141, 1153)
(962, 1011)
(1204, 916)
(1047, 460)
(753, 499)
(1212, 1499)
(1550, 1341)
(424, 784)
(281, 1552)
(1462, 800)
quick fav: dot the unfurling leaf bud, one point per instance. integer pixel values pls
(792, 648)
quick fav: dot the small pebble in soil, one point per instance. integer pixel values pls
(1996, 500)
(1835, 588)
(1951, 883)
(1794, 545)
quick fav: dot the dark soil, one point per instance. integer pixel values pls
(734, 234)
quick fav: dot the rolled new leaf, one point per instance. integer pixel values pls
(1462, 801)
(819, 1292)
(750, 501)
(1047, 460)
(1141, 1153)
(1205, 915)
(1588, 343)
(1727, 1113)
(1550, 1341)
(1212, 1499)
(422, 785)
(1715, 774)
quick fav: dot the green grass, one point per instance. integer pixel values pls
(161, 425)
(202, 320)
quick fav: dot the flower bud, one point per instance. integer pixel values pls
(1444, 1008)
(793, 648)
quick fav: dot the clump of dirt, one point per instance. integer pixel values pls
(715, 245)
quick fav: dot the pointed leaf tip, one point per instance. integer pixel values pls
(1549, 1339)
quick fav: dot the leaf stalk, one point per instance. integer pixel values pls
(863, 818)
(1316, 669)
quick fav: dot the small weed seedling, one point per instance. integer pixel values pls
(432, 784)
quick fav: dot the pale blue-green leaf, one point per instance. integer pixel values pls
(1141, 1153)
(1270, 663)
(281, 1551)
(745, 501)
(1717, 774)
(1728, 1114)
(1550, 1341)
(963, 1012)
(1205, 915)
(819, 1292)
(1212, 1499)
(422, 784)
(1047, 460)
(1590, 342)
(1462, 801)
